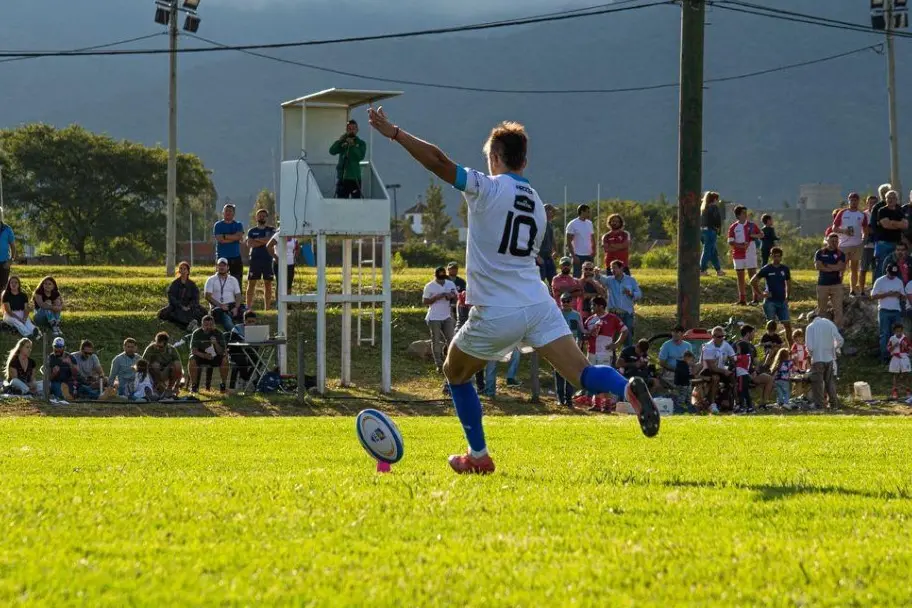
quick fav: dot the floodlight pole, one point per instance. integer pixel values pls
(891, 96)
(171, 230)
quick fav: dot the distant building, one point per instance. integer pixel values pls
(414, 216)
(814, 210)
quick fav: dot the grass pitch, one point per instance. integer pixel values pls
(583, 510)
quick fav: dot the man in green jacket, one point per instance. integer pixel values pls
(351, 150)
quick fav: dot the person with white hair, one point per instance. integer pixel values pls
(7, 250)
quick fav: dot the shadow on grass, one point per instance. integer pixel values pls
(770, 492)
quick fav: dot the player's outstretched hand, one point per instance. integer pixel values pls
(378, 120)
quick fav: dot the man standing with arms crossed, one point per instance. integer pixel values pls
(258, 239)
(228, 236)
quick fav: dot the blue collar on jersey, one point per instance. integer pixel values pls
(518, 178)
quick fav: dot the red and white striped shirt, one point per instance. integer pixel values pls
(742, 235)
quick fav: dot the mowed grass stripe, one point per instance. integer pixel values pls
(290, 511)
(149, 293)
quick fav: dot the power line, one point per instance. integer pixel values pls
(400, 35)
(878, 48)
(795, 17)
(97, 46)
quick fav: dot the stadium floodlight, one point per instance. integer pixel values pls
(191, 5)
(162, 15)
(191, 24)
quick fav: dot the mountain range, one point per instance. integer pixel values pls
(763, 136)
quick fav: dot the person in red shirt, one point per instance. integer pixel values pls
(741, 236)
(616, 242)
(606, 333)
(565, 283)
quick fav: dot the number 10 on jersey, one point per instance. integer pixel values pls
(511, 234)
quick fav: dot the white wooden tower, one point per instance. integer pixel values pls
(307, 208)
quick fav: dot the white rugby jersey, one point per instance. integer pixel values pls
(506, 225)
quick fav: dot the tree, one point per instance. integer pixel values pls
(264, 200)
(89, 194)
(464, 211)
(435, 220)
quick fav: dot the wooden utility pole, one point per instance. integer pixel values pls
(690, 162)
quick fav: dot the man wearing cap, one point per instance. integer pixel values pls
(228, 236)
(888, 291)
(852, 225)
(438, 294)
(565, 283)
(351, 151)
(545, 259)
(62, 371)
(258, 238)
(207, 348)
(830, 264)
(563, 388)
(224, 295)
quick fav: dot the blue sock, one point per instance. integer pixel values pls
(604, 379)
(468, 408)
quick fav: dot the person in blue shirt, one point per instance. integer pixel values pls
(563, 388)
(623, 292)
(258, 239)
(671, 352)
(778, 281)
(228, 236)
(7, 250)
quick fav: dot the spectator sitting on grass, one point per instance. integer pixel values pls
(671, 353)
(634, 361)
(16, 309)
(48, 305)
(757, 377)
(144, 384)
(717, 355)
(207, 347)
(771, 342)
(183, 306)
(89, 373)
(164, 364)
(123, 369)
(20, 369)
(62, 371)
(223, 292)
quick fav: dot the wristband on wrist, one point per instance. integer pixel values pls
(395, 135)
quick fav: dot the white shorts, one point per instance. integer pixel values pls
(900, 365)
(492, 332)
(601, 358)
(750, 258)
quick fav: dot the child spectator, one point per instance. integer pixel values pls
(782, 368)
(898, 347)
(683, 374)
(769, 238)
(771, 342)
(563, 388)
(606, 332)
(800, 354)
(144, 387)
(743, 374)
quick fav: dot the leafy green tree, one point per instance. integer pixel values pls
(435, 221)
(92, 195)
(264, 200)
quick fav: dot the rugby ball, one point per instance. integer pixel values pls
(379, 436)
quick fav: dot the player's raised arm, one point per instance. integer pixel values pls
(430, 156)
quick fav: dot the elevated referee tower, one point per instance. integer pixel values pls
(308, 208)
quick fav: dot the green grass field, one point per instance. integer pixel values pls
(801, 511)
